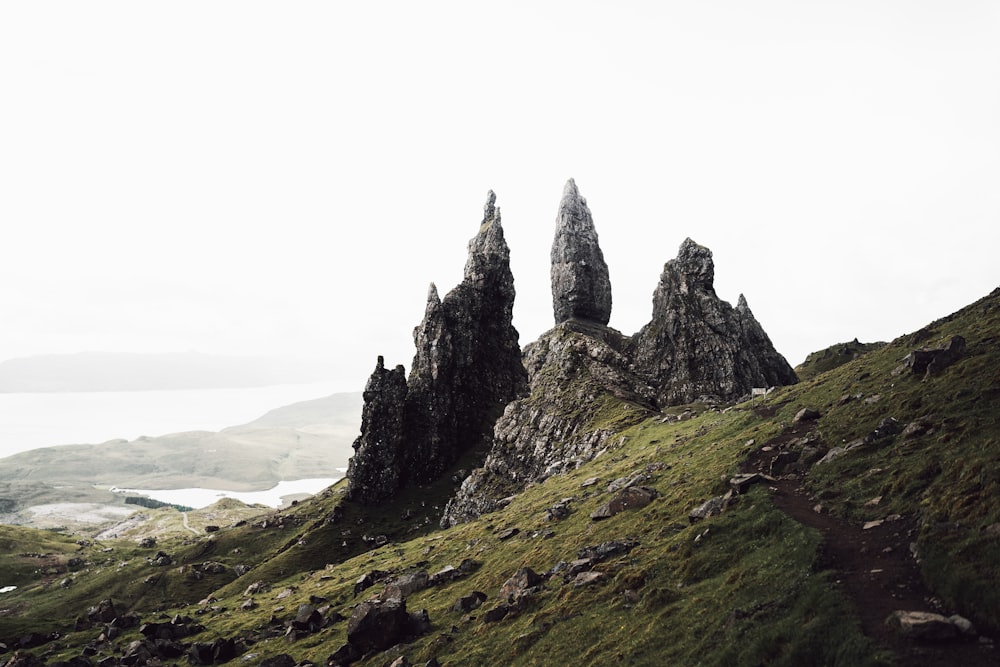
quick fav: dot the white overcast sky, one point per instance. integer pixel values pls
(261, 178)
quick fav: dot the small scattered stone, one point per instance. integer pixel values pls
(587, 578)
(710, 507)
(508, 533)
(633, 497)
(922, 625)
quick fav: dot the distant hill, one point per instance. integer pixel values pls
(308, 439)
(311, 439)
(108, 371)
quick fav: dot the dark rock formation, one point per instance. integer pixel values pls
(581, 288)
(376, 625)
(467, 366)
(588, 381)
(576, 371)
(698, 345)
(375, 470)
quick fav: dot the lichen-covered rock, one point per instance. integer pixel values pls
(697, 345)
(581, 287)
(467, 366)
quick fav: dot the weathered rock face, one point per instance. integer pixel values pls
(576, 371)
(376, 467)
(468, 360)
(581, 287)
(467, 367)
(588, 381)
(698, 345)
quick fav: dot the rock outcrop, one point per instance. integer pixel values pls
(581, 288)
(579, 377)
(698, 345)
(588, 382)
(376, 469)
(466, 368)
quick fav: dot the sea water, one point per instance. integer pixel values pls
(197, 498)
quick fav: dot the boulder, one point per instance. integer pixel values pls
(932, 361)
(633, 497)
(886, 428)
(402, 587)
(805, 415)
(376, 625)
(605, 550)
(587, 578)
(308, 619)
(922, 625)
(742, 483)
(102, 612)
(521, 584)
(710, 507)
(469, 602)
(368, 580)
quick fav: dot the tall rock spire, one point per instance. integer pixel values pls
(466, 368)
(581, 288)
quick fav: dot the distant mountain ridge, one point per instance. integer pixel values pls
(112, 371)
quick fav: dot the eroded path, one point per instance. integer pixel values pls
(184, 516)
(876, 570)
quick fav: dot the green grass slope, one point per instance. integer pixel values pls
(832, 357)
(749, 586)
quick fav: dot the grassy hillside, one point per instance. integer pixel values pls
(832, 357)
(748, 586)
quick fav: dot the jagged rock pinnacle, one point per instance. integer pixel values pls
(489, 210)
(488, 251)
(581, 287)
(466, 367)
(697, 344)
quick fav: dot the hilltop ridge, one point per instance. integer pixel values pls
(616, 511)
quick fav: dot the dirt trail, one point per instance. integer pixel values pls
(185, 517)
(876, 570)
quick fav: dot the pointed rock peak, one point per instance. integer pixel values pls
(490, 211)
(380, 364)
(570, 189)
(743, 307)
(488, 251)
(581, 287)
(432, 295)
(574, 205)
(695, 263)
